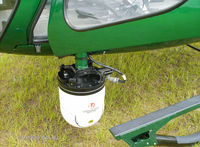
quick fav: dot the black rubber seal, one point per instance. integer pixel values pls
(80, 93)
(81, 82)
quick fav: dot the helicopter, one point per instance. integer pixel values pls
(82, 28)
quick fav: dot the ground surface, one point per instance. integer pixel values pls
(29, 104)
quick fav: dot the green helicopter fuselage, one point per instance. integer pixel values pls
(180, 24)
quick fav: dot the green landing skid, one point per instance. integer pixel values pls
(142, 131)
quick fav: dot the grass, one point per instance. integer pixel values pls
(29, 102)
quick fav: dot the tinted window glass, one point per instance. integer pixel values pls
(85, 14)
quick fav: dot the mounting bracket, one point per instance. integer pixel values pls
(142, 131)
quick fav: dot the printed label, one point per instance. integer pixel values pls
(91, 111)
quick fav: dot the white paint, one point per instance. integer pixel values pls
(82, 111)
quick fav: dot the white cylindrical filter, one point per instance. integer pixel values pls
(81, 94)
(82, 110)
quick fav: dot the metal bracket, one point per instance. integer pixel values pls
(142, 131)
(38, 48)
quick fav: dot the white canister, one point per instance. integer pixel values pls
(81, 94)
(82, 110)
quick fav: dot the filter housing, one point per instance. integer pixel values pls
(82, 94)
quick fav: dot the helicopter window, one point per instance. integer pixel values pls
(6, 9)
(40, 32)
(88, 14)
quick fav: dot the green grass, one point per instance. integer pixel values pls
(29, 102)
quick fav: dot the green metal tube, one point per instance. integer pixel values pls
(81, 61)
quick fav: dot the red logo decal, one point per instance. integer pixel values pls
(92, 105)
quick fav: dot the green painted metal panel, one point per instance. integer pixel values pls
(16, 37)
(174, 27)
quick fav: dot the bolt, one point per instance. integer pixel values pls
(65, 74)
(38, 48)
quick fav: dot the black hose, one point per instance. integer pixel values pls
(166, 140)
(113, 69)
(190, 139)
(193, 47)
(178, 140)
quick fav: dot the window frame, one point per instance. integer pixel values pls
(31, 35)
(12, 14)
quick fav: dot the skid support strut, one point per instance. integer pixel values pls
(142, 131)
